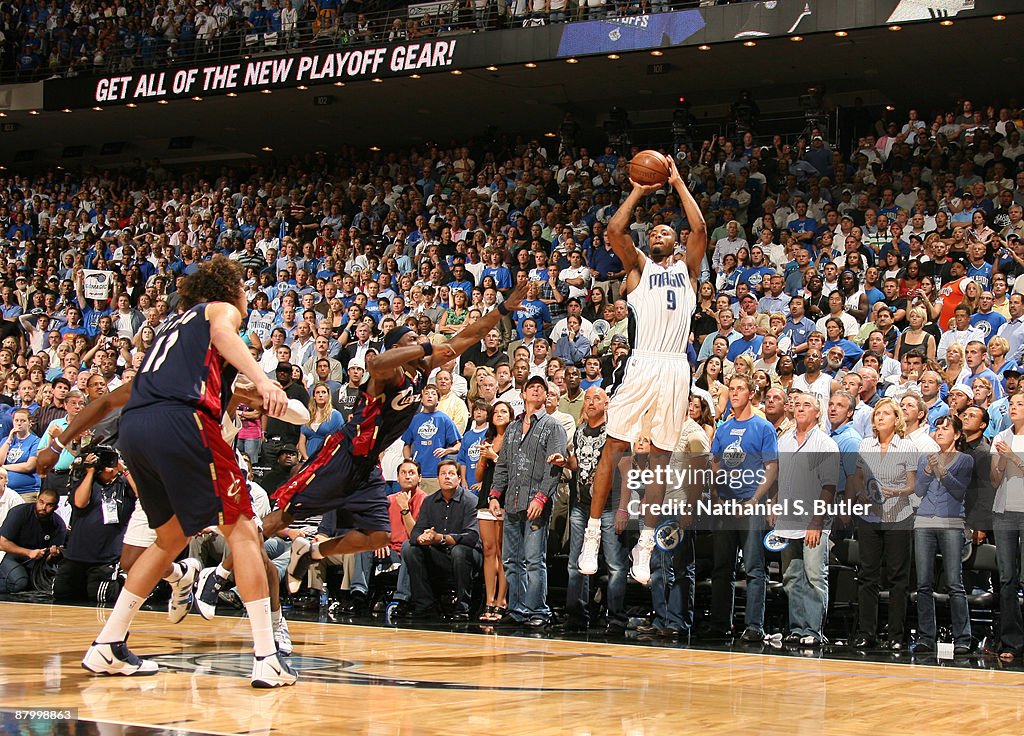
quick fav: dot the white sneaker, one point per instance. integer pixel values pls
(298, 563)
(272, 671)
(282, 637)
(182, 591)
(587, 562)
(208, 588)
(641, 569)
(116, 659)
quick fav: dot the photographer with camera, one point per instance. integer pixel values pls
(31, 534)
(102, 503)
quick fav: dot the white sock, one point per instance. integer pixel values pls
(594, 524)
(275, 616)
(177, 571)
(262, 630)
(315, 553)
(222, 572)
(116, 628)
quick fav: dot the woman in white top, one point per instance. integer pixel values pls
(884, 479)
(1008, 525)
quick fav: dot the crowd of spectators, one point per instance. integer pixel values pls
(41, 39)
(873, 294)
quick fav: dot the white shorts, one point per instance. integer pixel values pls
(652, 400)
(138, 533)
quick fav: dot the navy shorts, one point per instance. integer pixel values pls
(334, 480)
(183, 467)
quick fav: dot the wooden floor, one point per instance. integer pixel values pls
(364, 680)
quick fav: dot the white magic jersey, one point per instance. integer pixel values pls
(662, 304)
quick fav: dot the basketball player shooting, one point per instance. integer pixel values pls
(652, 398)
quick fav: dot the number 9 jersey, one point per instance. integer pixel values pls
(652, 398)
(661, 306)
(183, 368)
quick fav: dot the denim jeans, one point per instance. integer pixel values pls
(524, 553)
(1009, 529)
(673, 581)
(734, 533)
(806, 584)
(615, 556)
(279, 551)
(950, 544)
(362, 570)
(251, 448)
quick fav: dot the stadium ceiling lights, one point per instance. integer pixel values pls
(750, 44)
(457, 72)
(415, 76)
(841, 34)
(530, 65)
(492, 68)
(703, 47)
(796, 38)
(572, 60)
(339, 84)
(162, 102)
(302, 87)
(947, 22)
(998, 17)
(895, 28)
(268, 149)
(66, 109)
(33, 112)
(614, 57)
(657, 53)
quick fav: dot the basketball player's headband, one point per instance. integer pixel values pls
(392, 338)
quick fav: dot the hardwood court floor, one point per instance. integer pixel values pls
(400, 682)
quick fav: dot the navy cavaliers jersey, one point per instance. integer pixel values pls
(182, 367)
(380, 420)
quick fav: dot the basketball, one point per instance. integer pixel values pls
(648, 167)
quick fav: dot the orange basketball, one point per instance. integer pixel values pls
(648, 167)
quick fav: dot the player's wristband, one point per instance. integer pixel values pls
(428, 349)
(503, 310)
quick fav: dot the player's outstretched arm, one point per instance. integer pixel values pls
(225, 319)
(697, 244)
(618, 228)
(89, 417)
(473, 334)
(381, 366)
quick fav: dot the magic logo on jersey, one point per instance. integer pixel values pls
(427, 430)
(734, 454)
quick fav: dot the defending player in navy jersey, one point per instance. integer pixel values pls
(187, 475)
(653, 396)
(344, 475)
